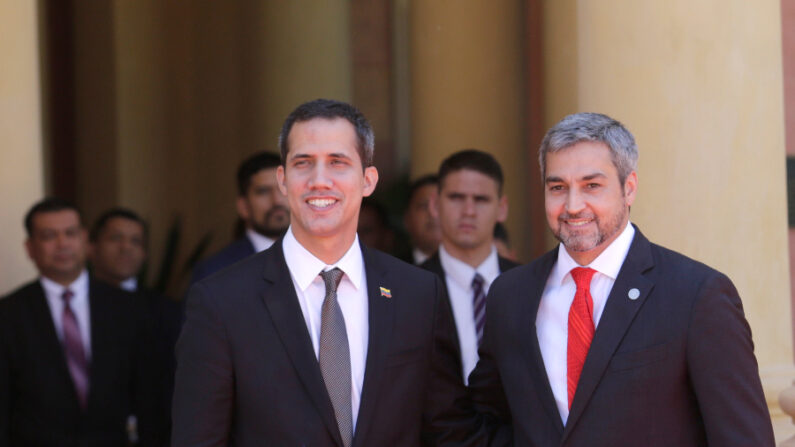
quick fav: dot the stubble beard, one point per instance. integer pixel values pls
(585, 241)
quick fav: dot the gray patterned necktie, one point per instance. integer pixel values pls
(335, 357)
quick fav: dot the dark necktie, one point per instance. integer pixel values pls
(479, 305)
(335, 357)
(581, 328)
(76, 359)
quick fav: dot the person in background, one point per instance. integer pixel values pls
(469, 204)
(374, 229)
(421, 225)
(75, 357)
(117, 251)
(260, 206)
(503, 243)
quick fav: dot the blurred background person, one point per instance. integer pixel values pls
(74, 360)
(117, 251)
(260, 206)
(374, 229)
(503, 243)
(421, 225)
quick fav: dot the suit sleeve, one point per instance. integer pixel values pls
(204, 383)
(5, 380)
(723, 369)
(146, 386)
(449, 418)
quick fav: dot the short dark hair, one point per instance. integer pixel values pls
(331, 109)
(49, 205)
(473, 160)
(117, 212)
(251, 166)
(425, 180)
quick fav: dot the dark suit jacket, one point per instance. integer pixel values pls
(247, 372)
(38, 404)
(434, 265)
(674, 367)
(236, 251)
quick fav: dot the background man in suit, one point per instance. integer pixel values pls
(421, 225)
(317, 341)
(117, 252)
(262, 209)
(73, 364)
(469, 204)
(610, 340)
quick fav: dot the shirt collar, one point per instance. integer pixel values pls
(78, 287)
(306, 267)
(419, 256)
(129, 284)
(259, 241)
(463, 273)
(608, 262)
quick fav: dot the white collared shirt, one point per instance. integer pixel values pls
(458, 278)
(79, 304)
(419, 256)
(260, 242)
(553, 312)
(352, 296)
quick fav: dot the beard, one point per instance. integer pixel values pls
(273, 226)
(587, 239)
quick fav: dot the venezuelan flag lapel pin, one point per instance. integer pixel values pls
(386, 292)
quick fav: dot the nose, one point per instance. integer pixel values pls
(469, 206)
(319, 178)
(574, 201)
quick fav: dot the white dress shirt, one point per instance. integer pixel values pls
(553, 312)
(458, 278)
(260, 242)
(129, 284)
(352, 297)
(79, 304)
(419, 256)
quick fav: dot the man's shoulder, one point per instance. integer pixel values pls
(232, 253)
(22, 294)
(675, 264)
(433, 264)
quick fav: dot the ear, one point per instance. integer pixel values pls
(29, 247)
(630, 188)
(280, 179)
(502, 210)
(242, 208)
(370, 180)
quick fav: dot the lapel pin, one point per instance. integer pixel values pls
(386, 292)
(633, 293)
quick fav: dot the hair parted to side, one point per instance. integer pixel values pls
(331, 109)
(113, 213)
(594, 127)
(473, 160)
(49, 205)
(251, 166)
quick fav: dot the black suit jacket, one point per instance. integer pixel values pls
(673, 367)
(434, 265)
(247, 374)
(235, 252)
(38, 403)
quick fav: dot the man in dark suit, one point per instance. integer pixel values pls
(318, 341)
(73, 364)
(609, 339)
(468, 205)
(262, 209)
(420, 224)
(117, 253)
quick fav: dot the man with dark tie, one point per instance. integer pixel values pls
(73, 360)
(610, 340)
(317, 341)
(262, 209)
(470, 202)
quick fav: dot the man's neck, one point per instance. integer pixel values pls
(106, 278)
(471, 256)
(329, 249)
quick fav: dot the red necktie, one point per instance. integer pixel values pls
(73, 348)
(581, 328)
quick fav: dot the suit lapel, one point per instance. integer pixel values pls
(285, 312)
(526, 322)
(381, 323)
(616, 319)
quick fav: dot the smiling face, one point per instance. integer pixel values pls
(587, 207)
(324, 181)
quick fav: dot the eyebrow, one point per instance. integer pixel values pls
(553, 179)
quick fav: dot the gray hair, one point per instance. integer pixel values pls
(594, 127)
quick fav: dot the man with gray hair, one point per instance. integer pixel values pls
(609, 339)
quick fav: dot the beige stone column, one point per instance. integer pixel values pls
(700, 86)
(467, 90)
(21, 158)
